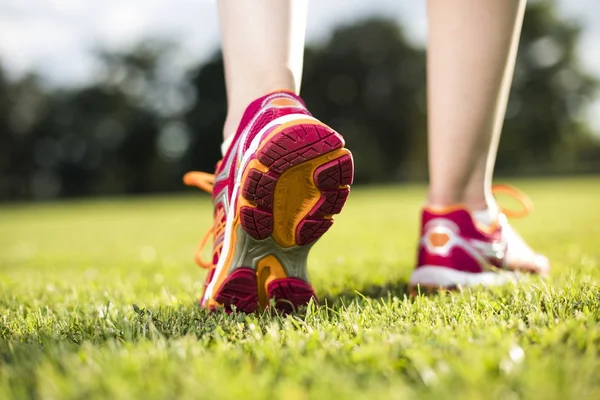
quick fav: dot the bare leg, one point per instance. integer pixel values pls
(263, 46)
(471, 57)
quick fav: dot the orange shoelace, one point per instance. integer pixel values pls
(205, 181)
(522, 198)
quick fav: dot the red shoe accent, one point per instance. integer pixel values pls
(290, 293)
(239, 290)
(454, 251)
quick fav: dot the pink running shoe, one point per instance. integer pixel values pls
(456, 251)
(275, 193)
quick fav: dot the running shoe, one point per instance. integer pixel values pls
(456, 251)
(275, 192)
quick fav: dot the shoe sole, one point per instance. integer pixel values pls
(433, 278)
(298, 179)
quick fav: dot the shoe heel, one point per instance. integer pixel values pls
(247, 290)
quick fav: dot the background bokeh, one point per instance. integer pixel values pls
(107, 98)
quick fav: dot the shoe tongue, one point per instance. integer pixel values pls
(486, 217)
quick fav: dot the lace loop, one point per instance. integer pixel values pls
(202, 180)
(205, 181)
(522, 198)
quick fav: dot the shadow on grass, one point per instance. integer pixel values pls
(374, 292)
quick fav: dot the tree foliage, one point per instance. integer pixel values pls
(139, 127)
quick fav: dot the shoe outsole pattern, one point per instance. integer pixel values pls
(293, 146)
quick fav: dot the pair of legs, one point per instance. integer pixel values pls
(284, 174)
(471, 56)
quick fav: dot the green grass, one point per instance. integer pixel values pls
(98, 300)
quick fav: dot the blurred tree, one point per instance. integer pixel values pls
(143, 123)
(22, 104)
(544, 126)
(368, 82)
(364, 82)
(97, 142)
(93, 140)
(207, 116)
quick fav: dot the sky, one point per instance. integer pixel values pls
(57, 37)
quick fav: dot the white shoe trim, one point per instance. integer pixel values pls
(443, 277)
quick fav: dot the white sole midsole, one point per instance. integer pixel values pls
(438, 276)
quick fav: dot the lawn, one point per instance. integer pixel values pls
(98, 300)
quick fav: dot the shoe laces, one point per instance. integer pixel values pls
(522, 198)
(205, 181)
